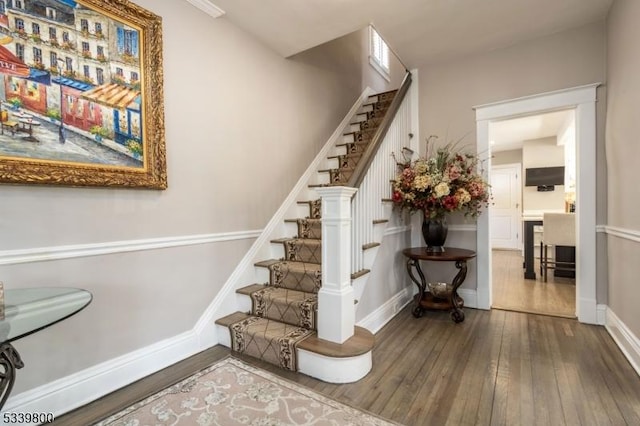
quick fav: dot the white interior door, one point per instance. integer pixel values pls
(505, 209)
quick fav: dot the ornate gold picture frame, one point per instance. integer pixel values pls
(81, 94)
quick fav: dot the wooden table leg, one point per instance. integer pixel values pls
(457, 314)
(422, 284)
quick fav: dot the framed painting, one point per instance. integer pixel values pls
(81, 94)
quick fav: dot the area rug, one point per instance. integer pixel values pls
(231, 392)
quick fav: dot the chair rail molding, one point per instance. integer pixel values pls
(43, 254)
(627, 234)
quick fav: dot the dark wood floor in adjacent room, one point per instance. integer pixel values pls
(495, 368)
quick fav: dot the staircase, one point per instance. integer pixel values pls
(277, 320)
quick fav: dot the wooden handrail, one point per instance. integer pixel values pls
(372, 148)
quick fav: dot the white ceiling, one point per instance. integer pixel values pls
(419, 31)
(510, 134)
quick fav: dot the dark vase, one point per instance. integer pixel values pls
(434, 232)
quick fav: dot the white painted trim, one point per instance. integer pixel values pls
(43, 254)
(385, 313)
(205, 327)
(602, 314)
(334, 370)
(470, 297)
(627, 234)
(75, 390)
(207, 7)
(582, 99)
(628, 342)
(526, 105)
(384, 73)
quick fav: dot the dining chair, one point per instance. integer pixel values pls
(559, 229)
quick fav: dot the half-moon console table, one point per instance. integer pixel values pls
(449, 300)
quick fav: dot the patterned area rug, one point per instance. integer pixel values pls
(231, 392)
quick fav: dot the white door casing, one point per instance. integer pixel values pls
(583, 100)
(505, 209)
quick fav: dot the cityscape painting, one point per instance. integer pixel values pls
(81, 97)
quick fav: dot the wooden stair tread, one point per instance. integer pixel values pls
(360, 343)
(247, 290)
(303, 240)
(360, 273)
(369, 246)
(293, 264)
(308, 220)
(351, 143)
(232, 318)
(324, 185)
(349, 155)
(344, 169)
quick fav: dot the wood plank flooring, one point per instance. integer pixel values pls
(496, 368)
(511, 291)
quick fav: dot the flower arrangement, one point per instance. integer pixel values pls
(443, 182)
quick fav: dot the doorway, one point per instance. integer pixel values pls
(582, 100)
(539, 143)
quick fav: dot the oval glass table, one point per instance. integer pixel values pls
(24, 311)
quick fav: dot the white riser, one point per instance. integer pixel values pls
(359, 118)
(348, 138)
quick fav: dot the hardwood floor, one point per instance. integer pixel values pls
(512, 292)
(496, 368)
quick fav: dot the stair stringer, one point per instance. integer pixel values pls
(228, 301)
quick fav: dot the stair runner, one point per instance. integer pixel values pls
(284, 310)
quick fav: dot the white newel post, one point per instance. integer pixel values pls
(336, 310)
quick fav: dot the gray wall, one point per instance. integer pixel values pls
(623, 151)
(242, 124)
(449, 91)
(349, 56)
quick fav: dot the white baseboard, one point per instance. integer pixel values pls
(628, 342)
(75, 390)
(470, 297)
(601, 314)
(378, 318)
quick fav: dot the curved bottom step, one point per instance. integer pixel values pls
(328, 361)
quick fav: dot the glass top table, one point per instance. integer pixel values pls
(25, 311)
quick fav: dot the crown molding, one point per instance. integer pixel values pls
(208, 7)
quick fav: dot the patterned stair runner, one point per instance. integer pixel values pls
(284, 310)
